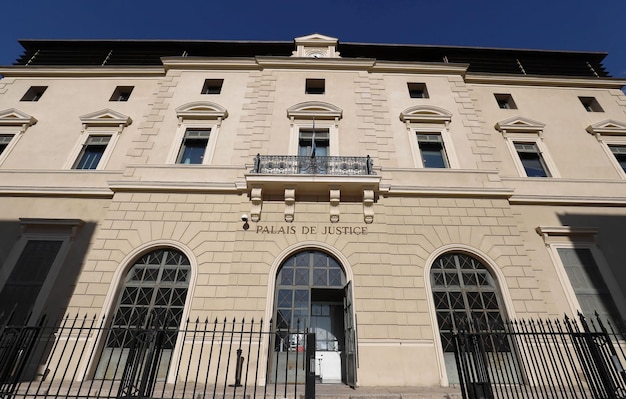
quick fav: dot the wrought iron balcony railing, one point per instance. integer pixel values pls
(306, 165)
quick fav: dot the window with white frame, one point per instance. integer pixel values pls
(197, 134)
(29, 273)
(314, 129)
(586, 278)
(524, 139)
(429, 136)
(432, 151)
(619, 151)
(5, 139)
(531, 159)
(100, 133)
(13, 124)
(193, 146)
(611, 135)
(92, 151)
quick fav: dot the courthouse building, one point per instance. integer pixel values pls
(376, 194)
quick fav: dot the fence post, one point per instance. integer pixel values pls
(598, 359)
(309, 390)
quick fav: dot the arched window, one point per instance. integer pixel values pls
(464, 292)
(153, 295)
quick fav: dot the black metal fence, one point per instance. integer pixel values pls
(542, 359)
(72, 358)
(334, 166)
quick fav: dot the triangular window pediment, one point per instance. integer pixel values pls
(201, 110)
(314, 109)
(106, 117)
(14, 117)
(520, 124)
(316, 46)
(425, 114)
(608, 127)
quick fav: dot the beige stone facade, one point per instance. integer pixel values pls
(386, 228)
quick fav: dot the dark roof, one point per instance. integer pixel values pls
(149, 53)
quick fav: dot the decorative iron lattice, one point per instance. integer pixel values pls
(305, 165)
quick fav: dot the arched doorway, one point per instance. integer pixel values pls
(464, 292)
(153, 296)
(312, 294)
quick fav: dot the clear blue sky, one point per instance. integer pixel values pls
(530, 24)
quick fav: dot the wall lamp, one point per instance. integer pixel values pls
(244, 219)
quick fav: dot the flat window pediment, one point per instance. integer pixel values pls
(608, 127)
(520, 124)
(106, 117)
(201, 110)
(425, 114)
(314, 109)
(14, 117)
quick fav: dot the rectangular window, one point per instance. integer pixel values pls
(531, 159)
(432, 151)
(505, 101)
(194, 146)
(417, 90)
(122, 93)
(591, 104)
(212, 86)
(92, 152)
(5, 139)
(22, 288)
(34, 93)
(315, 86)
(619, 151)
(313, 142)
(586, 280)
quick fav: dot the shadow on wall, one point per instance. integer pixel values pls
(611, 242)
(47, 274)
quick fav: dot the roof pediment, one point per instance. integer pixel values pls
(316, 38)
(201, 110)
(316, 46)
(15, 117)
(608, 127)
(314, 109)
(106, 117)
(520, 124)
(425, 113)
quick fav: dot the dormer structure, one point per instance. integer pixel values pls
(316, 46)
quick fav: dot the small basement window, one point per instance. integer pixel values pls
(34, 93)
(315, 86)
(417, 90)
(505, 101)
(591, 104)
(212, 86)
(122, 93)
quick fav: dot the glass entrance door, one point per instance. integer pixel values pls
(310, 295)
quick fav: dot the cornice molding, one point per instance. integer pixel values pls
(81, 71)
(56, 192)
(315, 63)
(172, 186)
(582, 200)
(205, 63)
(420, 67)
(525, 80)
(479, 192)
